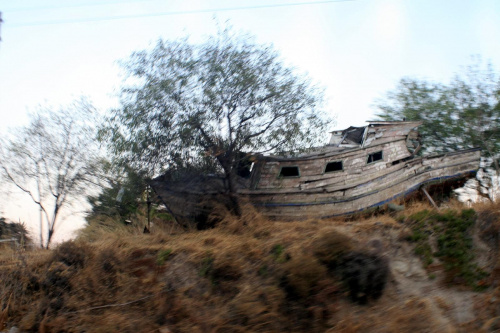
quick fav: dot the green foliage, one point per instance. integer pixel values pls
(278, 252)
(197, 107)
(421, 232)
(451, 233)
(161, 216)
(263, 271)
(13, 230)
(464, 113)
(163, 256)
(424, 250)
(122, 196)
(207, 266)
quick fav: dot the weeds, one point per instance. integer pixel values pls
(278, 253)
(206, 268)
(301, 276)
(262, 277)
(449, 233)
(163, 256)
(331, 247)
(71, 253)
(263, 271)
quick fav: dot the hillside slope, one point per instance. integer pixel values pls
(414, 271)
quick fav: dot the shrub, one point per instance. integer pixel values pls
(71, 253)
(301, 276)
(450, 233)
(106, 266)
(57, 280)
(14, 230)
(365, 275)
(331, 248)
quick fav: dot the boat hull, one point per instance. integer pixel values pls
(394, 182)
(326, 198)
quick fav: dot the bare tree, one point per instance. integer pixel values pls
(52, 160)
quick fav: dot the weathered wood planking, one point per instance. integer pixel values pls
(465, 162)
(360, 184)
(354, 164)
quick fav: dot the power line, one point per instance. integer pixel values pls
(184, 12)
(20, 9)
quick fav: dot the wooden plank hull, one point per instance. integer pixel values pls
(373, 166)
(348, 199)
(189, 203)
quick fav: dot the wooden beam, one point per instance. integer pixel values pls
(429, 197)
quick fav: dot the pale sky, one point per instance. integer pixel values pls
(55, 51)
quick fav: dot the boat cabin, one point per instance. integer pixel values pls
(353, 151)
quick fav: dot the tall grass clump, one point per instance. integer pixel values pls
(447, 236)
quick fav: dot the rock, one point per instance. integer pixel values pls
(400, 266)
(395, 208)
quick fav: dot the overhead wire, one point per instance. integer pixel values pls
(182, 12)
(102, 3)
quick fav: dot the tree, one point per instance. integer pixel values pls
(462, 114)
(203, 106)
(52, 161)
(16, 230)
(121, 195)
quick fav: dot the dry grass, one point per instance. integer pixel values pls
(411, 315)
(246, 275)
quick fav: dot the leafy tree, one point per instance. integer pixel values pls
(462, 114)
(120, 196)
(203, 106)
(15, 230)
(52, 161)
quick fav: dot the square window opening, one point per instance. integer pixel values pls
(289, 171)
(334, 166)
(374, 157)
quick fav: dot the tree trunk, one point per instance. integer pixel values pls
(49, 238)
(41, 228)
(233, 196)
(230, 177)
(52, 225)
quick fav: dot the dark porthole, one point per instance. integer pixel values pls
(334, 166)
(289, 171)
(374, 157)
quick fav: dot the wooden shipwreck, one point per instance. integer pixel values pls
(360, 168)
